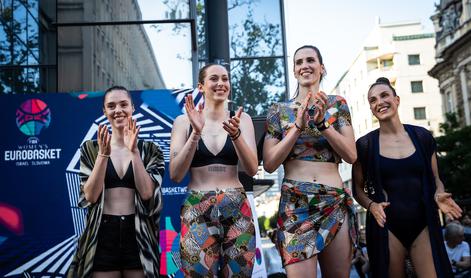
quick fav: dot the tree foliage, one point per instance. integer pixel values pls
(15, 51)
(454, 157)
(257, 78)
(256, 82)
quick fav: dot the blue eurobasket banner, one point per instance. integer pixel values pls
(39, 183)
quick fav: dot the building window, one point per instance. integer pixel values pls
(160, 45)
(416, 87)
(419, 113)
(387, 63)
(21, 70)
(257, 55)
(414, 59)
(248, 74)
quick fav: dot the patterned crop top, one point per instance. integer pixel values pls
(310, 145)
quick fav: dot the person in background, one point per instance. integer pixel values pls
(466, 220)
(360, 263)
(272, 258)
(457, 248)
(360, 259)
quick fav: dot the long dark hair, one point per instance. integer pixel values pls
(321, 61)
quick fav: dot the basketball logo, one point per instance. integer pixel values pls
(32, 116)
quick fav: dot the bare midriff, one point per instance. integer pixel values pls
(214, 176)
(119, 201)
(326, 173)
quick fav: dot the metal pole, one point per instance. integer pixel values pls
(218, 35)
(218, 32)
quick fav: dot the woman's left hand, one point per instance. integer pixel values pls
(232, 125)
(320, 102)
(130, 135)
(447, 205)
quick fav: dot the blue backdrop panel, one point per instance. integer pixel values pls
(39, 218)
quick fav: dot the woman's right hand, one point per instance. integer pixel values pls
(300, 116)
(104, 139)
(196, 117)
(377, 209)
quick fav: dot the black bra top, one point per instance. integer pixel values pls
(112, 180)
(203, 157)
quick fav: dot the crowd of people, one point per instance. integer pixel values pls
(395, 178)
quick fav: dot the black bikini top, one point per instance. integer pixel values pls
(112, 180)
(203, 157)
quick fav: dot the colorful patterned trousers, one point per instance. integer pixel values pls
(217, 234)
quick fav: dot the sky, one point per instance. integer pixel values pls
(339, 27)
(172, 47)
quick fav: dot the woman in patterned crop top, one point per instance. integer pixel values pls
(310, 135)
(217, 228)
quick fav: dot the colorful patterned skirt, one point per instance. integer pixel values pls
(309, 217)
(217, 234)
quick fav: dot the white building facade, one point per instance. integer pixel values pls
(404, 54)
(452, 22)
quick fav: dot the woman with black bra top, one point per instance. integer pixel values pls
(120, 186)
(217, 230)
(396, 179)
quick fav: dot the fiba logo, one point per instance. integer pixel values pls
(32, 116)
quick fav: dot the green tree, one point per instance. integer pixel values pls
(256, 83)
(201, 30)
(454, 157)
(15, 50)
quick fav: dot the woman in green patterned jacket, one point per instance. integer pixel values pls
(120, 186)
